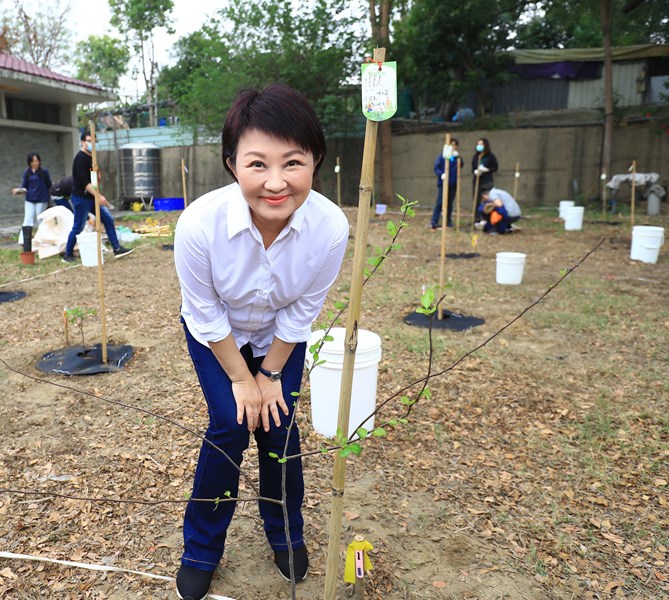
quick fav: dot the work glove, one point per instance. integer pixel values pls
(455, 153)
(477, 172)
(483, 169)
(443, 176)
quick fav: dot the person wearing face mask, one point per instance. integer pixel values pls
(440, 172)
(83, 201)
(484, 164)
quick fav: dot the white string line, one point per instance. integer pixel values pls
(39, 276)
(92, 567)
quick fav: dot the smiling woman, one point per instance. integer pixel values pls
(255, 260)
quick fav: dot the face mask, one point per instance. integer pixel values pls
(89, 146)
(479, 147)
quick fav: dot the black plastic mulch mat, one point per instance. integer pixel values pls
(11, 296)
(604, 222)
(449, 320)
(168, 246)
(75, 361)
(462, 255)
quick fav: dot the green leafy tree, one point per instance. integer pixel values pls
(448, 49)
(137, 21)
(316, 48)
(102, 60)
(577, 24)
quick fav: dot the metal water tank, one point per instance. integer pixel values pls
(140, 171)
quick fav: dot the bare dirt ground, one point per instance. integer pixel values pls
(537, 469)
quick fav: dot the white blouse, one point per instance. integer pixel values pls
(230, 283)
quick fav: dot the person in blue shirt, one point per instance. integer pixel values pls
(440, 172)
(35, 185)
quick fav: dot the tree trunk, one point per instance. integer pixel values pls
(607, 140)
(380, 34)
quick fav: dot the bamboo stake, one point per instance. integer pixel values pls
(101, 283)
(633, 199)
(66, 327)
(603, 178)
(183, 182)
(476, 196)
(351, 343)
(444, 219)
(516, 177)
(337, 171)
(457, 196)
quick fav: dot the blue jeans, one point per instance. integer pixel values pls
(83, 206)
(205, 524)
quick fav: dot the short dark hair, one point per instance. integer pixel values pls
(84, 134)
(278, 111)
(32, 155)
(455, 141)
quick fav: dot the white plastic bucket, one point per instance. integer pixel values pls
(510, 267)
(653, 207)
(88, 249)
(564, 205)
(573, 218)
(325, 381)
(646, 243)
(381, 209)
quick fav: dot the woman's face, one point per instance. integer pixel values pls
(274, 175)
(34, 163)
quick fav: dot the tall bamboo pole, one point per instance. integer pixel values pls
(101, 284)
(444, 220)
(337, 171)
(603, 178)
(183, 181)
(458, 189)
(633, 199)
(351, 344)
(516, 177)
(476, 195)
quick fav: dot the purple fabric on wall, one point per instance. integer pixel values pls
(559, 70)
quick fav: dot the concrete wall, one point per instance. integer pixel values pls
(551, 160)
(15, 144)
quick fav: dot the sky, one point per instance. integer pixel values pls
(92, 17)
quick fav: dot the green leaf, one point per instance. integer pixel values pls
(374, 260)
(294, 394)
(328, 338)
(283, 460)
(273, 455)
(362, 433)
(340, 305)
(392, 228)
(427, 299)
(379, 432)
(355, 448)
(344, 452)
(392, 422)
(227, 494)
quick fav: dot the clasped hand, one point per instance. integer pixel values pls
(260, 399)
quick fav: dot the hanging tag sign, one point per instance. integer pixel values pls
(379, 90)
(94, 179)
(447, 152)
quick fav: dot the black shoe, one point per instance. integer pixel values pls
(121, 251)
(68, 259)
(193, 584)
(300, 563)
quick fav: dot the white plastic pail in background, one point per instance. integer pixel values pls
(381, 209)
(564, 205)
(573, 218)
(510, 267)
(325, 381)
(88, 249)
(646, 243)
